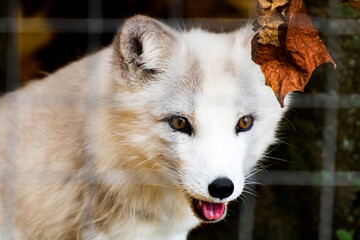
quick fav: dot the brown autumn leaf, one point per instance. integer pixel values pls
(355, 3)
(269, 19)
(288, 64)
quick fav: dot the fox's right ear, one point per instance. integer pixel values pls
(141, 48)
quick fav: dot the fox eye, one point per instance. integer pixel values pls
(180, 124)
(245, 123)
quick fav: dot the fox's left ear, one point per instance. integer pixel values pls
(141, 48)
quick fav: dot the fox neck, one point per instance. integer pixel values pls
(155, 205)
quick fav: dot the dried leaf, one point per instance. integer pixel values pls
(355, 3)
(269, 4)
(288, 66)
(269, 19)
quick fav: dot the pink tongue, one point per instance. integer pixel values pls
(213, 211)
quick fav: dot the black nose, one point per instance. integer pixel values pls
(221, 188)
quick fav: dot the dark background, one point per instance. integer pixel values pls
(314, 130)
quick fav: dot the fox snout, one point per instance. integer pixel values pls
(221, 188)
(215, 209)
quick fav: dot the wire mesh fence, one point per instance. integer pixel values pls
(331, 101)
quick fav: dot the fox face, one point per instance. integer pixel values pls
(203, 115)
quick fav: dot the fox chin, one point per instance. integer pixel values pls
(145, 139)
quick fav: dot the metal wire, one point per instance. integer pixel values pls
(330, 101)
(9, 171)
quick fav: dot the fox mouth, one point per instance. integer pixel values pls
(208, 211)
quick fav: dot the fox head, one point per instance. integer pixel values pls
(189, 108)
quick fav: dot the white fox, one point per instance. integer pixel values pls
(143, 140)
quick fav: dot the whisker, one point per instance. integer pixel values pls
(290, 145)
(293, 126)
(276, 158)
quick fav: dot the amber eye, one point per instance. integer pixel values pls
(245, 123)
(180, 124)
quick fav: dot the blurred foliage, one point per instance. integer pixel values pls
(31, 43)
(343, 235)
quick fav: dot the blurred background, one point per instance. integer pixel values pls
(311, 186)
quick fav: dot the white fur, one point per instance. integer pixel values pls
(102, 118)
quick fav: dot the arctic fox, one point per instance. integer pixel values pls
(143, 140)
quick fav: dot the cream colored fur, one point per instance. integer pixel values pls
(85, 153)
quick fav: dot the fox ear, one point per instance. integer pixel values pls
(141, 48)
